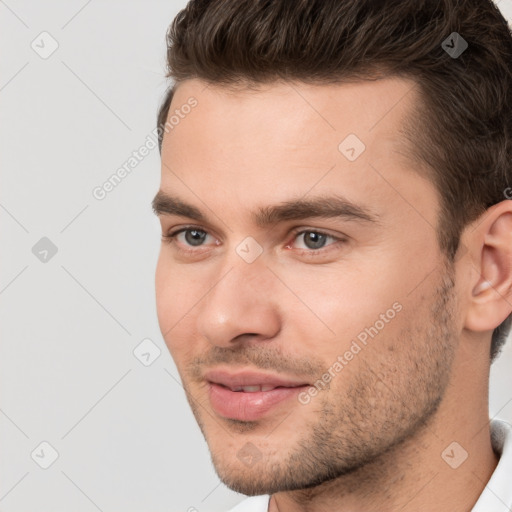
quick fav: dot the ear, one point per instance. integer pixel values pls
(491, 285)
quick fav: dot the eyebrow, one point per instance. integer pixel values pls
(332, 206)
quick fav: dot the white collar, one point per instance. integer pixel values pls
(497, 495)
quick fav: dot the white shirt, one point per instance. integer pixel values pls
(496, 497)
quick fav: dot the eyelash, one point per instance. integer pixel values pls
(171, 240)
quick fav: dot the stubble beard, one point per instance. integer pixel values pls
(349, 435)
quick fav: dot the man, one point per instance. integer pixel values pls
(335, 276)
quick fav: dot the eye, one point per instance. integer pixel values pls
(311, 242)
(313, 239)
(193, 237)
(187, 237)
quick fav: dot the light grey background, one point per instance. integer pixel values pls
(125, 437)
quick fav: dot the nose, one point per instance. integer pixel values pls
(242, 306)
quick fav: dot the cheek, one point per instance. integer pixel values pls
(164, 293)
(335, 305)
(174, 299)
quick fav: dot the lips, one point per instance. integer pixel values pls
(248, 396)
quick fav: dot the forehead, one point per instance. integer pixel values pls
(260, 145)
(368, 108)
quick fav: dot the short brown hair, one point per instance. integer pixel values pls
(461, 133)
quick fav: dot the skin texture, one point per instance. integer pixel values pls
(373, 439)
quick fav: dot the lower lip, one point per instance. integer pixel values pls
(244, 406)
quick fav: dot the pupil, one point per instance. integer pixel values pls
(194, 236)
(314, 240)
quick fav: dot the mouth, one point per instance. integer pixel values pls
(248, 396)
(253, 389)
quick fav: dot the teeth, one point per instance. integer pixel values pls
(253, 389)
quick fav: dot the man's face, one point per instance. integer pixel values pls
(308, 343)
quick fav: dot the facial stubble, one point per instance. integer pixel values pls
(357, 425)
